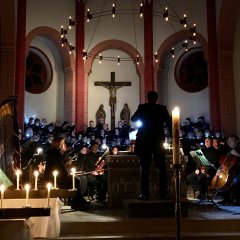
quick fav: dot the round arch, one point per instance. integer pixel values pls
(67, 64)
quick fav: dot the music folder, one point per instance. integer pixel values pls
(200, 158)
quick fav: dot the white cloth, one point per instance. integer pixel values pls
(40, 227)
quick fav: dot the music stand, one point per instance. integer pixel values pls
(202, 161)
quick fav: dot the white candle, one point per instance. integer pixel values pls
(2, 189)
(18, 172)
(175, 136)
(36, 173)
(49, 186)
(73, 170)
(55, 173)
(27, 188)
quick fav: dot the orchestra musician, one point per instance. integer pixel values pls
(97, 180)
(231, 163)
(55, 161)
(200, 179)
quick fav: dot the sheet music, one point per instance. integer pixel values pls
(200, 158)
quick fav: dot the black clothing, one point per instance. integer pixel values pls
(55, 161)
(149, 143)
(96, 184)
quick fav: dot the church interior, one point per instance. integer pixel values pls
(77, 70)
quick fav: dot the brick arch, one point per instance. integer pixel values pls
(67, 64)
(120, 45)
(164, 51)
(54, 36)
(115, 44)
(174, 39)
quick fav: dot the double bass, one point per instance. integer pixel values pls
(225, 174)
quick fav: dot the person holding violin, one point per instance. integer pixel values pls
(55, 160)
(230, 168)
(97, 180)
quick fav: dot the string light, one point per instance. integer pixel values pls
(137, 59)
(185, 45)
(156, 57)
(113, 10)
(166, 16)
(141, 10)
(84, 55)
(89, 16)
(100, 58)
(71, 22)
(118, 60)
(183, 21)
(172, 52)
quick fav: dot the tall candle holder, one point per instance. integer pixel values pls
(177, 167)
(18, 173)
(27, 188)
(36, 173)
(55, 173)
(49, 186)
(73, 172)
(2, 189)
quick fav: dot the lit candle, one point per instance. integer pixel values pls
(18, 172)
(175, 136)
(55, 173)
(2, 189)
(27, 188)
(36, 173)
(49, 186)
(73, 170)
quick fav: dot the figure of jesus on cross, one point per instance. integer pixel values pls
(112, 86)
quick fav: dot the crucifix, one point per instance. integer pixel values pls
(112, 86)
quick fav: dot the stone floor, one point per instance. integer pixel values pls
(206, 220)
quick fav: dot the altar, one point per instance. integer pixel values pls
(124, 179)
(36, 227)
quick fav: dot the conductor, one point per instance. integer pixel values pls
(149, 143)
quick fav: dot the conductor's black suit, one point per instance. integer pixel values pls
(149, 142)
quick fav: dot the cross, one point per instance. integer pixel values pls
(112, 86)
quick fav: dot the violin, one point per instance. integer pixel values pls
(100, 164)
(225, 174)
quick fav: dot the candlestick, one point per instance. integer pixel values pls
(36, 173)
(49, 186)
(55, 173)
(175, 136)
(2, 188)
(18, 172)
(27, 188)
(73, 170)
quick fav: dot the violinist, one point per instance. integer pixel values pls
(232, 194)
(97, 180)
(55, 161)
(200, 179)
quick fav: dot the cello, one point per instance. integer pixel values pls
(225, 174)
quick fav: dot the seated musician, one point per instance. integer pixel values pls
(231, 164)
(80, 168)
(97, 180)
(55, 161)
(200, 179)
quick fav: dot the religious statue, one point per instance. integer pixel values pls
(125, 114)
(100, 115)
